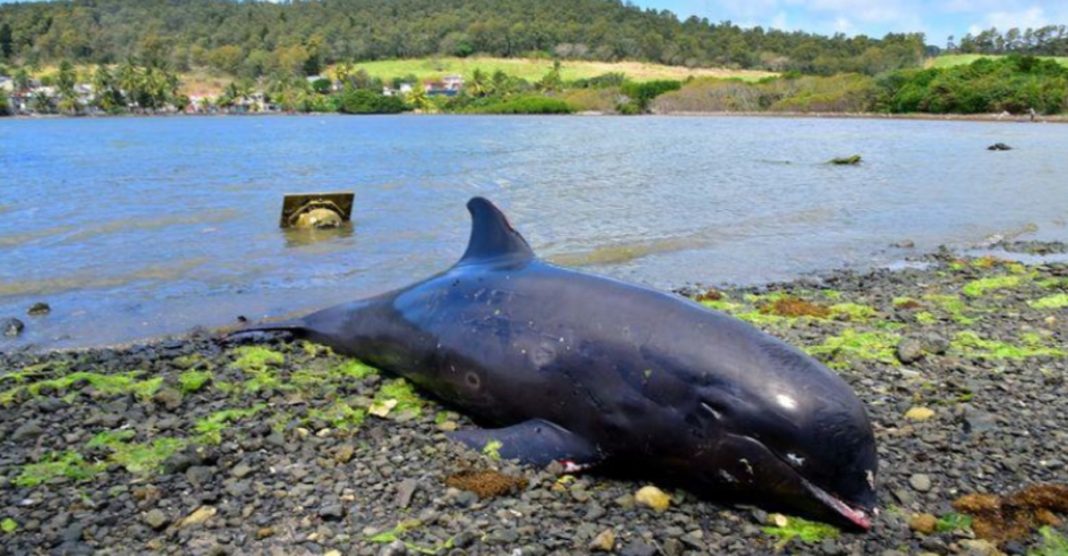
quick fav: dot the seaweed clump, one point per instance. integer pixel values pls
(789, 306)
(486, 483)
(1002, 518)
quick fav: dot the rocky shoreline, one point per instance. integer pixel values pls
(199, 446)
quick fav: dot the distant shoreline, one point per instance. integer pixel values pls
(989, 118)
(992, 118)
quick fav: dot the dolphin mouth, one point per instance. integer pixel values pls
(856, 516)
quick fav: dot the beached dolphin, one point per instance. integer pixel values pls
(582, 369)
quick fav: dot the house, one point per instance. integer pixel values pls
(450, 85)
(404, 89)
(7, 84)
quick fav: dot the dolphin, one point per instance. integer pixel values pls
(582, 370)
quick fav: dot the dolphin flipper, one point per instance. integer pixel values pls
(535, 442)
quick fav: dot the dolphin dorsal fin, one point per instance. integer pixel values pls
(492, 237)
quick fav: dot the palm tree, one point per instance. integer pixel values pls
(479, 85)
(418, 99)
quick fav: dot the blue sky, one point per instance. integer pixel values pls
(936, 18)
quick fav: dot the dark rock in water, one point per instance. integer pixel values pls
(999, 147)
(38, 309)
(906, 244)
(846, 160)
(12, 326)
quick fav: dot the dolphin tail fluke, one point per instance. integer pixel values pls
(535, 442)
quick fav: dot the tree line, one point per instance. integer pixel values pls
(251, 39)
(1015, 84)
(1050, 40)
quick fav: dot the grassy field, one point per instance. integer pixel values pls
(201, 81)
(533, 69)
(950, 60)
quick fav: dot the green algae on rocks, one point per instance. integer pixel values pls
(68, 464)
(853, 344)
(211, 427)
(971, 345)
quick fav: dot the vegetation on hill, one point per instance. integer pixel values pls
(1050, 40)
(1015, 84)
(251, 39)
(951, 60)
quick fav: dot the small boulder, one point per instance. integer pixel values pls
(38, 309)
(999, 147)
(12, 327)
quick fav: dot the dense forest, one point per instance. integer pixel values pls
(1051, 40)
(250, 39)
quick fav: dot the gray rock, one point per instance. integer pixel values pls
(395, 548)
(975, 421)
(405, 491)
(909, 350)
(156, 519)
(935, 343)
(169, 398)
(28, 430)
(12, 326)
(332, 511)
(920, 482)
(38, 309)
(638, 548)
(241, 470)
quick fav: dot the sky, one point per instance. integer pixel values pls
(936, 18)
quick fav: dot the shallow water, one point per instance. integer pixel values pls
(134, 227)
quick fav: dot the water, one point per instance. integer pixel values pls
(136, 227)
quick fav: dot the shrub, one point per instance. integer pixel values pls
(530, 104)
(362, 101)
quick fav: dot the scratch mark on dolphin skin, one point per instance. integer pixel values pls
(727, 476)
(796, 460)
(748, 467)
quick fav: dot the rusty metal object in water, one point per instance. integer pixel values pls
(1013, 516)
(316, 210)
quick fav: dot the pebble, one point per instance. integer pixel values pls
(605, 541)
(652, 497)
(198, 516)
(156, 519)
(923, 523)
(909, 350)
(919, 413)
(332, 512)
(920, 482)
(405, 491)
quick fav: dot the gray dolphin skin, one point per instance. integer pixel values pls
(585, 370)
